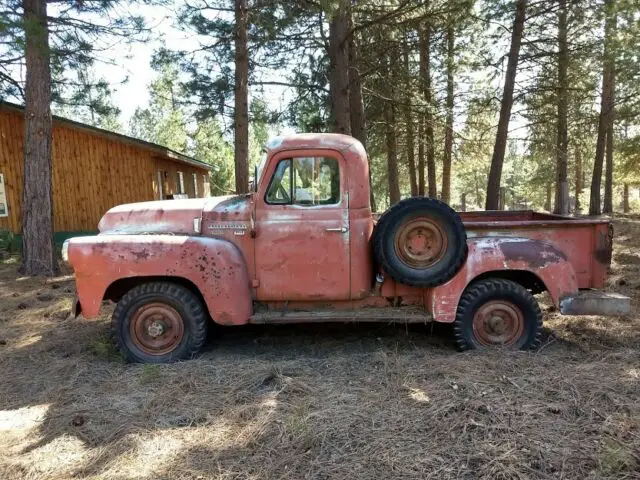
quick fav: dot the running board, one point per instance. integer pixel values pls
(365, 315)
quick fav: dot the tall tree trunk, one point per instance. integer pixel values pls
(411, 151)
(241, 94)
(38, 257)
(392, 160)
(339, 68)
(420, 172)
(578, 154)
(547, 201)
(390, 128)
(495, 174)
(425, 71)
(625, 199)
(448, 134)
(357, 116)
(408, 120)
(562, 186)
(608, 168)
(606, 106)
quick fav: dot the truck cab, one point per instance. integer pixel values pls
(304, 246)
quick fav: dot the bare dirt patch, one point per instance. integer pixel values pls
(323, 401)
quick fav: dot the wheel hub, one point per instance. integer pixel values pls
(497, 325)
(498, 322)
(420, 243)
(156, 328)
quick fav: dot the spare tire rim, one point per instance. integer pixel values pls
(156, 328)
(498, 322)
(420, 243)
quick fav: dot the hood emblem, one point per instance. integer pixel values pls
(229, 226)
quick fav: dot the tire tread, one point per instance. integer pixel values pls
(409, 203)
(482, 288)
(191, 303)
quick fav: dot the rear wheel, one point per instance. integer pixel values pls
(496, 312)
(421, 242)
(159, 322)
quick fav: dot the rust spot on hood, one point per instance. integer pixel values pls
(233, 208)
(141, 254)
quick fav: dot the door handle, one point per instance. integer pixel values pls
(339, 230)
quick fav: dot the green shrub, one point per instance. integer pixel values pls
(7, 240)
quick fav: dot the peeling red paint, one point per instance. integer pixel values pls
(100, 261)
(487, 254)
(536, 254)
(238, 250)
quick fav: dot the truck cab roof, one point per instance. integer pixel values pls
(333, 141)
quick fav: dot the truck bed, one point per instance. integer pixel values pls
(585, 241)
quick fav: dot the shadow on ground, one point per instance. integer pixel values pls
(317, 401)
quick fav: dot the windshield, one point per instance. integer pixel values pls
(261, 165)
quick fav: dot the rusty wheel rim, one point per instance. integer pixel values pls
(156, 328)
(498, 322)
(420, 243)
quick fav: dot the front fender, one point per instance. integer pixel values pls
(496, 254)
(216, 267)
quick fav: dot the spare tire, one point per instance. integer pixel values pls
(420, 242)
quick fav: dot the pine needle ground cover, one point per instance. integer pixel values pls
(319, 401)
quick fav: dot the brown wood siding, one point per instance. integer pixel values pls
(170, 171)
(91, 174)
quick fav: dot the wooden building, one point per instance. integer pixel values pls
(93, 170)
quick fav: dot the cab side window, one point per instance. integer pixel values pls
(279, 191)
(305, 181)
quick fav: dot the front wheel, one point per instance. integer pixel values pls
(159, 322)
(496, 312)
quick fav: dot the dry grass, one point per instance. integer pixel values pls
(324, 401)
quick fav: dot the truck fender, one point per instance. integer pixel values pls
(215, 266)
(504, 254)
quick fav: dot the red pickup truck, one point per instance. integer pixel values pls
(305, 247)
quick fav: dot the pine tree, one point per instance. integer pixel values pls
(605, 120)
(38, 257)
(164, 121)
(241, 97)
(448, 136)
(50, 45)
(493, 185)
(339, 66)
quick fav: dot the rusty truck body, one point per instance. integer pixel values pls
(300, 248)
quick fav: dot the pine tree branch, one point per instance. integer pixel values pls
(11, 81)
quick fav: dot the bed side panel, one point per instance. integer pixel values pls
(496, 254)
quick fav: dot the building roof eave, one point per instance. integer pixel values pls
(158, 150)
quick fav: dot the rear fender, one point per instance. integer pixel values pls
(216, 267)
(500, 254)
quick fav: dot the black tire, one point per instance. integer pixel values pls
(185, 311)
(422, 273)
(503, 298)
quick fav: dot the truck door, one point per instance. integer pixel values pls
(302, 228)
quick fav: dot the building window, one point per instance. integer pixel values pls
(4, 210)
(160, 180)
(206, 186)
(180, 183)
(195, 185)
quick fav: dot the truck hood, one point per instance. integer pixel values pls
(172, 216)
